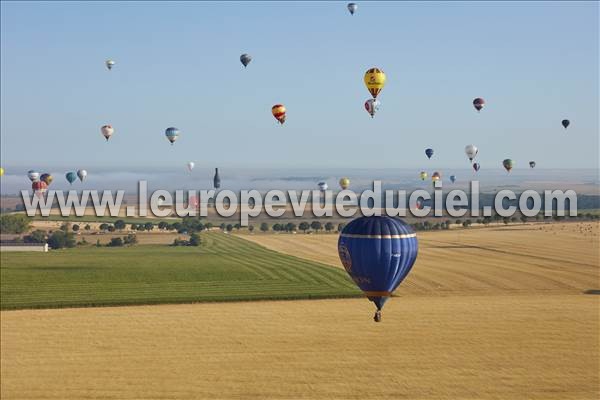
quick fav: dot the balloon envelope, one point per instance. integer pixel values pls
(423, 175)
(429, 153)
(81, 174)
(471, 151)
(1, 171)
(453, 178)
(375, 81)
(508, 164)
(377, 252)
(71, 177)
(33, 175)
(323, 186)
(279, 112)
(476, 166)
(110, 64)
(532, 164)
(352, 7)
(344, 183)
(372, 106)
(478, 103)
(46, 178)
(190, 166)
(172, 134)
(565, 123)
(217, 179)
(245, 59)
(107, 131)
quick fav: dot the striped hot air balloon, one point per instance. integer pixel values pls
(172, 134)
(478, 103)
(279, 112)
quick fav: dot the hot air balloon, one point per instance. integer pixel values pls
(39, 187)
(46, 178)
(110, 64)
(508, 164)
(375, 81)
(279, 111)
(71, 176)
(378, 253)
(245, 59)
(323, 186)
(172, 134)
(190, 166)
(471, 151)
(429, 153)
(453, 178)
(352, 7)
(423, 175)
(1, 171)
(217, 179)
(344, 183)
(531, 164)
(478, 103)
(436, 176)
(33, 175)
(565, 123)
(107, 131)
(419, 204)
(476, 166)
(372, 106)
(81, 174)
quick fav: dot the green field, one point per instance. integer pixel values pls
(223, 268)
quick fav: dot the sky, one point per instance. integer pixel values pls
(177, 64)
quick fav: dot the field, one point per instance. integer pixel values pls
(223, 268)
(488, 313)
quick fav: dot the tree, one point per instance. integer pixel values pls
(87, 227)
(316, 225)
(329, 227)
(115, 242)
(341, 226)
(304, 226)
(148, 226)
(223, 226)
(37, 236)
(229, 227)
(134, 227)
(75, 228)
(111, 228)
(506, 220)
(208, 225)
(276, 227)
(250, 228)
(162, 225)
(523, 219)
(130, 240)
(103, 227)
(61, 239)
(264, 227)
(65, 227)
(290, 227)
(120, 224)
(458, 221)
(194, 239)
(14, 223)
(237, 226)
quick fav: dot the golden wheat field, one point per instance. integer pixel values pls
(492, 313)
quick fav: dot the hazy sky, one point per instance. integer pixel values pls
(177, 64)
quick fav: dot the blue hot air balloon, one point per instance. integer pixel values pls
(453, 178)
(429, 153)
(172, 134)
(378, 253)
(71, 177)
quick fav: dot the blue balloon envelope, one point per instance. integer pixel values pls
(378, 253)
(429, 153)
(453, 178)
(71, 176)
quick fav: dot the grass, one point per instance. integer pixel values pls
(224, 268)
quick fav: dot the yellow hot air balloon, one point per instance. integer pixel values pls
(344, 183)
(375, 81)
(423, 175)
(1, 171)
